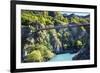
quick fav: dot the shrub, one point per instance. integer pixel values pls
(65, 46)
(82, 28)
(82, 20)
(30, 48)
(79, 44)
(48, 22)
(75, 20)
(48, 54)
(35, 56)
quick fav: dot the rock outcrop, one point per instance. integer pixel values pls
(83, 54)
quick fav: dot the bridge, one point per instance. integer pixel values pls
(62, 26)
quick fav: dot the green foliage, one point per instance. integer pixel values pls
(48, 22)
(82, 20)
(59, 19)
(48, 54)
(56, 22)
(35, 56)
(59, 35)
(82, 28)
(32, 28)
(28, 17)
(42, 17)
(66, 34)
(79, 20)
(65, 46)
(29, 48)
(49, 18)
(39, 53)
(75, 20)
(79, 44)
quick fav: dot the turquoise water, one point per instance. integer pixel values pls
(62, 57)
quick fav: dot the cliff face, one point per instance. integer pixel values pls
(72, 40)
(83, 54)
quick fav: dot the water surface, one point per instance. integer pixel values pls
(62, 57)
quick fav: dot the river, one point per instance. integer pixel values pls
(62, 57)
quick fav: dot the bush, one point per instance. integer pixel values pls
(65, 46)
(82, 28)
(35, 56)
(58, 22)
(40, 53)
(48, 54)
(30, 48)
(75, 20)
(79, 44)
(48, 22)
(82, 20)
(28, 18)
